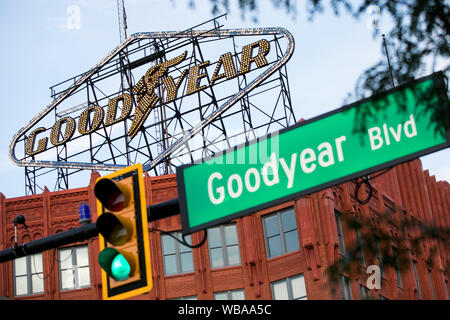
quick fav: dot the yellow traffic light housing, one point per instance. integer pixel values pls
(123, 234)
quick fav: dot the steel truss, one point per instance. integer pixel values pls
(185, 130)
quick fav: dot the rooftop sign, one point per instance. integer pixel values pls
(355, 140)
(176, 68)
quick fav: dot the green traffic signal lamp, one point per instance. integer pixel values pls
(115, 264)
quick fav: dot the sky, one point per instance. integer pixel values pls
(43, 45)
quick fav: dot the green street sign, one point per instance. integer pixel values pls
(358, 139)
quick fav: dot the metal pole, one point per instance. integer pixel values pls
(163, 210)
(85, 232)
(388, 60)
(82, 233)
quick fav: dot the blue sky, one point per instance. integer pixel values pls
(39, 50)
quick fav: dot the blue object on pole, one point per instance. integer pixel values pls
(85, 213)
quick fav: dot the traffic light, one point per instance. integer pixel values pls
(123, 234)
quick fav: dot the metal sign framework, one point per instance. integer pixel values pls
(189, 128)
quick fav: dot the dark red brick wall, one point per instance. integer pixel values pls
(406, 185)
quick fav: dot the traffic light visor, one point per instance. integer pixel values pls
(111, 195)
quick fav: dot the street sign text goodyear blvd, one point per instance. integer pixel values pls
(355, 140)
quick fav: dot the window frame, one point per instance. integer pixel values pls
(282, 233)
(397, 268)
(416, 276)
(229, 294)
(365, 292)
(379, 257)
(185, 298)
(346, 283)
(362, 259)
(74, 267)
(29, 266)
(446, 287)
(177, 254)
(289, 287)
(430, 277)
(224, 246)
(340, 232)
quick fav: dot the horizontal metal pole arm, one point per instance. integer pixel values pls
(163, 210)
(82, 233)
(85, 232)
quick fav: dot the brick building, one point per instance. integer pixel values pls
(281, 252)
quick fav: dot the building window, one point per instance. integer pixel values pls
(419, 292)
(365, 292)
(397, 268)
(28, 275)
(238, 294)
(340, 232)
(360, 246)
(446, 288)
(185, 298)
(177, 257)
(292, 288)
(280, 233)
(431, 283)
(379, 257)
(346, 287)
(223, 243)
(74, 268)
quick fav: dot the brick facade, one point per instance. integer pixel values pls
(406, 185)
